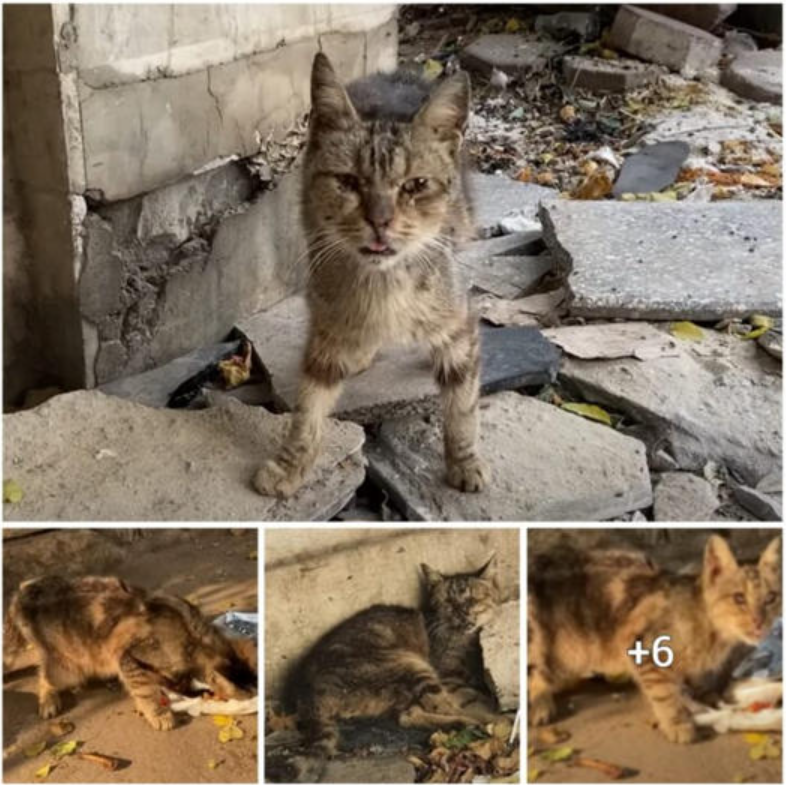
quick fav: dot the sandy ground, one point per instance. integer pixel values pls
(212, 569)
(615, 725)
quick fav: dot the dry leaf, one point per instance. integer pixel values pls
(686, 331)
(588, 410)
(432, 69)
(546, 178)
(526, 175)
(34, 750)
(557, 754)
(595, 186)
(512, 25)
(222, 720)
(533, 774)
(12, 492)
(63, 748)
(567, 114)
(276, 721)
(230, 733)
(44, 771)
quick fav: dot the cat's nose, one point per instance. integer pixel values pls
(379, 213)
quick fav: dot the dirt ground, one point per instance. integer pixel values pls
(218, 571)
(614, 724)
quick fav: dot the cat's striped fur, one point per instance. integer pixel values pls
(100, 627)
(384, 201)
(586, 610)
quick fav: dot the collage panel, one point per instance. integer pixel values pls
(392, 655)
(654, 655)
(130, 655)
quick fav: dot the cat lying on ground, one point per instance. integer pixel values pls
(100, 627)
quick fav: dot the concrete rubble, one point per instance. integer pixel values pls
(682, 496)
(501, 646)
(707, 16)
(650, 261)
(757, 76)
(719, 400)
(659, 39)
(566, 468)
(764, 506)
(608, 76)
(508, 53)
(86, 456)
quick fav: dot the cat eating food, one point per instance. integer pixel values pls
(423, 668)
(588, 610)
(383, 204)
(100, 627)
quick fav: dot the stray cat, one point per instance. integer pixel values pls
(586, 610)
(383, 204)
(99, 627)
(425, 669)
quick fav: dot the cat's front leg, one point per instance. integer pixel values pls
(320, 386)
(146, 693)
(49, 701)
(662, 688)
(456, 357)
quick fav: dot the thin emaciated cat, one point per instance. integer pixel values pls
(586, 610)
(383, 205)
(422, 668)
(100, 627)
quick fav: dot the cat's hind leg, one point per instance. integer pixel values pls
(456, 359)
(145, 690)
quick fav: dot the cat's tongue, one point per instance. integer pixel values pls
(377, 247)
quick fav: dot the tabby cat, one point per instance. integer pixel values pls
(383, 204)
(99, 627)
(423, 668)
(586, 610)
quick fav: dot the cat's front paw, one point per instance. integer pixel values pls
(160, 719)
(542, 710)
(49, 706)
(679, 732)
(273, 480)
(470, 476)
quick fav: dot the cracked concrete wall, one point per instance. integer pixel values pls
(315, 579)
(121, 113)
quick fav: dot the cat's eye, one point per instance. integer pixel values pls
(770, 598)
(349, 182)
(739, 598)
(415, 186)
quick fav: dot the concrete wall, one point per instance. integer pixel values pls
(315, 579)
(117, 113)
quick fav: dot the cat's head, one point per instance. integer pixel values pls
(742, 601)
(379, 191)
(467, 599)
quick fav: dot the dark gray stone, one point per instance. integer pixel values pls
(651, 169)
(546, 464)
(757, 76)
(766, 507)
(509, 53)
(658, 39)
(400, 381)
(668, 260)
(607, 76)
(101, 279)
(565, 24)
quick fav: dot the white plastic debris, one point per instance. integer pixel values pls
(196, 706)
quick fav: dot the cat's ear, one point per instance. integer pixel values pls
(718, 558)
(489, 569)
(331, 107)
(431, 576)
(770, 559)
(444, 116)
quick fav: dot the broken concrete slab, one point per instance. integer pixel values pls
(371, 769)
(668, 260)
(651, 169)
(610, 341)
(757, 76)
(719, 400)
(495, 197)
(521, 311)
(546, 465)
(500, 643)
(400, 381)
(658, 39)
(608, 76)
(765, 506)
(566, 24)
(684, 497)
(507, 52)
(707, 16)
(504, 276)
(86, 456)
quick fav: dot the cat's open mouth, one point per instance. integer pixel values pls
(378, 250)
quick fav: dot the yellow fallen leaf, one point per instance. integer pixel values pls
(222, 720)
(44, 771)
(512, 25)
(546, 178)
(213, 764)
(432, 69)
(567, 114)
(686, 331)
(594, 186)
(753, 334)
(63, 748)
(588, 410)
(760, 320)
(12, 492)
(609, 54)
(532, 775)
(557, 754)
(230, 733)
(34, 749)
(252, 555)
